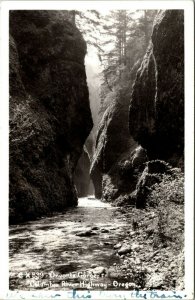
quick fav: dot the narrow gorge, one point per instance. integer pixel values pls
(97, 156)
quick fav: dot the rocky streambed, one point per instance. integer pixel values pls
(75, 247)
(93, 246)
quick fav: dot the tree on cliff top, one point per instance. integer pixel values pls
(89, 23)
(127, 35)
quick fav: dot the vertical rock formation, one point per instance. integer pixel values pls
(113, 150)
(82, 178)
(50, 117)
(156, 119)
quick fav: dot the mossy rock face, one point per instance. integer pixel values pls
(152, 174)
(156, 119)
(159, 167)
(139, 157)
(114, 145)
(50, 116)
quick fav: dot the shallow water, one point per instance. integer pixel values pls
(48, 253)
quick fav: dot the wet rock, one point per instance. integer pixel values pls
(107, 243)
(109, 175)
(139, 157)
(132, 233)
(62, 268)
(99, 270)
(50, 116)
(156, 119)
(124, 249)
(134, 246)
(126, 261)
(95, 228)
(86, 233)
(117, 246)
(104, 230)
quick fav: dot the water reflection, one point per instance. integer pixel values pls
(78, 240)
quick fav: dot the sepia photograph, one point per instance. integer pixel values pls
(97, 151)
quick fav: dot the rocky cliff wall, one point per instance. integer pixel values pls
(82, 178)
(50, 117)
(113, 148)
(156, 119)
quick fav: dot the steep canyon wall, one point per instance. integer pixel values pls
(50, 117)
(156, 119)
(153, 129)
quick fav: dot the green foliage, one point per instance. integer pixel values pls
(120, 39)
(21, 118)
(126, 37)
(168, 196)
(27, 127)
(89, 23)
(171, 188)
(137, 274)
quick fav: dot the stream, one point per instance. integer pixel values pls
(73, 249)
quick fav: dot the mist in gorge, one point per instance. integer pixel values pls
(93, 72)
